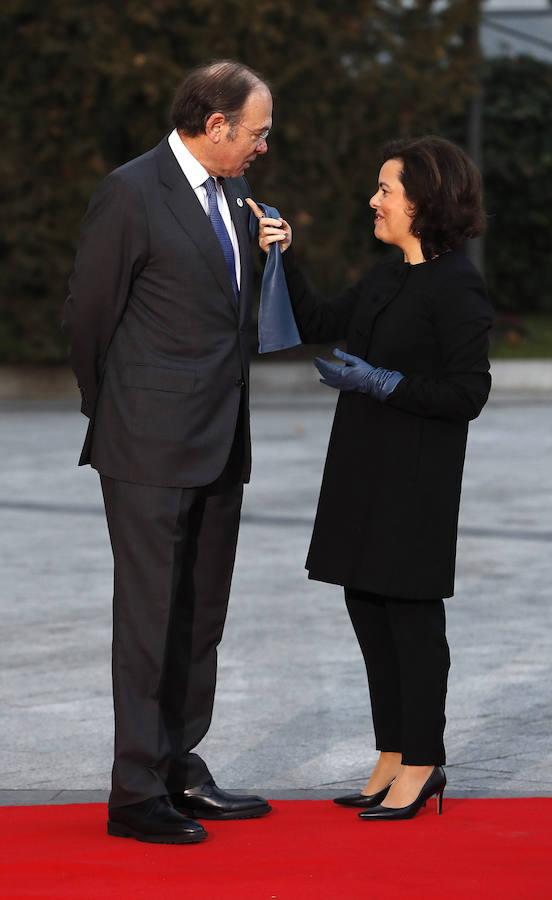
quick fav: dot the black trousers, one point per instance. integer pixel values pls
(174, 551)
(407, 659)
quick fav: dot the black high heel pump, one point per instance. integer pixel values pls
(434, 786)
(363, 801)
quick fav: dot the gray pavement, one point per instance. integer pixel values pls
(292, 715)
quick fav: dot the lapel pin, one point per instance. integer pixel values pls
(239, 201)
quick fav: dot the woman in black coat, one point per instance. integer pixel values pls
(416, 372)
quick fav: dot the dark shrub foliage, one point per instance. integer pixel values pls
(88, 85)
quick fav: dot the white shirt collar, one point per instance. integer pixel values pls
(192, 168)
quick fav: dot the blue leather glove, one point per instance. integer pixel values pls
(358, 375)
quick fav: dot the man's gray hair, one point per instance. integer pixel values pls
(222, 86)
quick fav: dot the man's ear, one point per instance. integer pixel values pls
(214, 126)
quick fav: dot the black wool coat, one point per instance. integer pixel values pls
(388, 510)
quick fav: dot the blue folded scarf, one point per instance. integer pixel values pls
(277, 327)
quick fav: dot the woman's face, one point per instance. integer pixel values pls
(393, 210)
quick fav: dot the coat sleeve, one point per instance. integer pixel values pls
(113, 248)
(462, 319)
(320, 320)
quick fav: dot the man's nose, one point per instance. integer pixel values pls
(262, 147)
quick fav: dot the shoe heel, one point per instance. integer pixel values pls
(440, 803)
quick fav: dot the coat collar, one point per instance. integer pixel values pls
(390, 280)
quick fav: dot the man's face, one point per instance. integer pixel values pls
(241, 144)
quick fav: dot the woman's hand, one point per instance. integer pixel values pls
(271, 230)
(358, 375)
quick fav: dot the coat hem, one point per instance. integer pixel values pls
(375, 589)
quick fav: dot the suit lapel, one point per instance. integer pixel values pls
(240, 218)
(189, 213)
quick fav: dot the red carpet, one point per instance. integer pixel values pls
(308, 850)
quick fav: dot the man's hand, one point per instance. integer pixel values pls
(357, 375)
(271, 230)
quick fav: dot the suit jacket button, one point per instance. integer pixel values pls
(240, 382)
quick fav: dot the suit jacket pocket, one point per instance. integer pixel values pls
(155, 378)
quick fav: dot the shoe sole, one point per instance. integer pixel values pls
(226, 816)
(116, 830)
(353, 805)
(392, 819)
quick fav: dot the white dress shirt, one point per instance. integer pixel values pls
(196, 175)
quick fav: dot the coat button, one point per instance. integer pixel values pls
(240, 382)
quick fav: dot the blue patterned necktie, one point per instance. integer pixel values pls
(221, 232)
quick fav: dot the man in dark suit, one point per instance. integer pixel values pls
(158, 319)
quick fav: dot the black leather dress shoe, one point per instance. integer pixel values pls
(363, 801)
(209, 802)
(155, 821)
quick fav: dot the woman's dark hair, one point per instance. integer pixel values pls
(222, 86)
(444, 187)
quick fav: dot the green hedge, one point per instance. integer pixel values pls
(517, 160)
(87, 85)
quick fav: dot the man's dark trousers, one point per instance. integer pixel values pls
(174, 551)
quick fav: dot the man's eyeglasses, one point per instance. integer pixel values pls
(258, 136)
